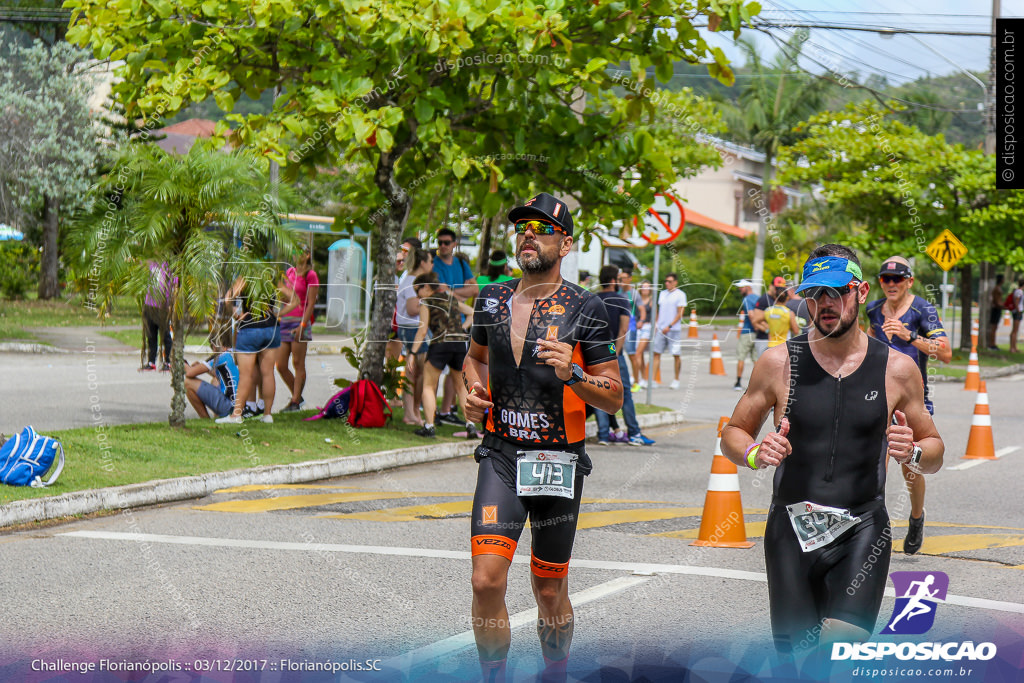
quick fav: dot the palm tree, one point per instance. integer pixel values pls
(770, 106)
(209, 215)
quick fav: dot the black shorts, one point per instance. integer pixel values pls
(844, 580)
(452, 354)
(995, 314)
(499, 516)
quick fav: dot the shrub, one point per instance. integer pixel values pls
(19, 269)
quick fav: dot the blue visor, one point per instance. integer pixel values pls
(829, 271)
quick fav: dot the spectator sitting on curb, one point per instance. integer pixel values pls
(218, 396)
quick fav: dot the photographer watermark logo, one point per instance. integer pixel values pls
(917, 595)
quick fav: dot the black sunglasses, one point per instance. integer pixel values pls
(891, 279)
(816, 293)
(445, 243)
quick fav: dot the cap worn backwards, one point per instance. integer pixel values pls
(545, 206)
(829, 271)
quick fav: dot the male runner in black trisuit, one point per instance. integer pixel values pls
(540, 351)
(834, 392)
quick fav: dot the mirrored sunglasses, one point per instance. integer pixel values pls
(816, 293)
(537, 227)
(891, 279)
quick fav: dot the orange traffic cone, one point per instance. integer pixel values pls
(979, 443)
(717, 366)
(721, 525)
(973, 380)
(974, 333)
(692, 334)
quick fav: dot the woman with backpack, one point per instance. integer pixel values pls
(296, 327)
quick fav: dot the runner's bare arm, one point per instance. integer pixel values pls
(757, 320)
(421, 331)
(903, 381)
(475, 374)
(760, 398)
(601, 385)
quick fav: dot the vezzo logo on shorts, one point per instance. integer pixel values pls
(871, 396)
(916, 596)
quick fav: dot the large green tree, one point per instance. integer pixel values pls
(208, 215)
(769, 107)
(904, 187)
(410, 86)
(49, 143)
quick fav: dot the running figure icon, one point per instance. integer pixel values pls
(917, 598)
(917, 604)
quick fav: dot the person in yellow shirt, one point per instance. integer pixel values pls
(781, 321)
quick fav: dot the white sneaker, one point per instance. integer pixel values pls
(643, 384)
(267, 419)
(674, 385)
(229, 420)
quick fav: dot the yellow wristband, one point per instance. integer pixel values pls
(752, 455)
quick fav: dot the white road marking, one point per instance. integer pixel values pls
(527, 617)
(974, 463)
(639, 568)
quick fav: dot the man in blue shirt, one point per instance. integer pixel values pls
(218, 396)
(455, 275)
(745, 343)
(910, 325)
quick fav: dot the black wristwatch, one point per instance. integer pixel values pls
(913, 336)
(577, 375)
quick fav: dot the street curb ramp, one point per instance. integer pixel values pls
(200, 486)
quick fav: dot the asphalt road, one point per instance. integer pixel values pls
(374, 569)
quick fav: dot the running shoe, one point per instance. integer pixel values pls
(147, 366)
(248, 412)
(229, 420)
(471, 432)
(451, 418)
(166, 367)
(738, 386)
(427, 431)
(674, 385)
(602, 442)
(635, 388)
(915, 535)
(292, 407)
(643, 384)
(267, 419)
(641, 440)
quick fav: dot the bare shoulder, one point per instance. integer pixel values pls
(770, 370)
(901, 367)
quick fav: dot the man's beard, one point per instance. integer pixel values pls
(539, 264)
(842, 327)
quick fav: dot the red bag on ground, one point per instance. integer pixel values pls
(367, 405)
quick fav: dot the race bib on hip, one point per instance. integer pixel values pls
(546, 473)
(818, 525)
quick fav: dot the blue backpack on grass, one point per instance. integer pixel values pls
(25, 458)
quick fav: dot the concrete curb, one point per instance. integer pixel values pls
(185, 488)
(984, 373)
(28, 347)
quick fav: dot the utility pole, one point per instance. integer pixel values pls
(986, 279)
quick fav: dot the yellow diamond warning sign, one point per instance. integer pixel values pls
(946, 250)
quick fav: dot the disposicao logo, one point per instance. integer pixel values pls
(917, 594)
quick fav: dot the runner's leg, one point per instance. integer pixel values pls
(282, 354)
(299, 363)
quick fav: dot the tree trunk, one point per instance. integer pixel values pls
(178, 399)
(965, 307)
(485, 244)
(986, 281)
(389, 229)
(49, 287)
